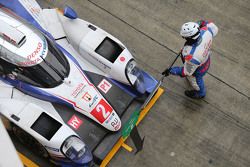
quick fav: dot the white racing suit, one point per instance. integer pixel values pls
(196, 58)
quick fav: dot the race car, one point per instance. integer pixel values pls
(50, 57)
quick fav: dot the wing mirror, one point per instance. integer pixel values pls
(69, 12)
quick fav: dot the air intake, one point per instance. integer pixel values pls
(11, 34)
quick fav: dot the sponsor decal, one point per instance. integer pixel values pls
(104, 86)
(207, 48)
(34, 53)
(40, 47)
(32, 7)
(75, 122)
(7, 38)
(31, 62)
(206, 66)
(110, 118)
(35, 10)
(33, 58)
(130, 124)
(44, 48)
(51, 148)
(93, 101)
(122, 59)
(78, 90)
(104, 65)
(87, 96)
(102, 111)
(115, 123)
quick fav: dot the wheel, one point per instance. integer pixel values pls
(30, 142)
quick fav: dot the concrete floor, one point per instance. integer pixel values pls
(181, 132)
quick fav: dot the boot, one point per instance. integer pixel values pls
(193, 94)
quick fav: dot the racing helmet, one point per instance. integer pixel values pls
(190, 30)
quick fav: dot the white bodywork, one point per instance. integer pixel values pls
(24, 47)
(28, 110)
(85, 40)
(78, 91)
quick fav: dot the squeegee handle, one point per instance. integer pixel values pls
(167, 69)
(174, 60)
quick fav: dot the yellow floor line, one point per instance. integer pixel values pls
(127, 147)
(150, 105)
(26, 161)
(112, 152)
(121, 141)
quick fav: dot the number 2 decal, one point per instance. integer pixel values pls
(102, 111)
(100, 108)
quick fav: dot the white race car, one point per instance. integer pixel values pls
(47, 57)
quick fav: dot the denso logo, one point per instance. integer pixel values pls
(93, 101)
(40, 46)
(33, 54)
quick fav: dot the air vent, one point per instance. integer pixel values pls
(16, 118)
(11, 34)
(92, 27)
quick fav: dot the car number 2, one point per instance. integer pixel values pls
(100, 108)
(102, 111)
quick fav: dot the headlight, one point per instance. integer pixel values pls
(74, 149)
(135, 76)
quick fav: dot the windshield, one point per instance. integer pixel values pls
(51, 72)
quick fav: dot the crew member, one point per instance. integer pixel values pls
(196, 55)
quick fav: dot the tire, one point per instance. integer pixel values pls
(30, 142)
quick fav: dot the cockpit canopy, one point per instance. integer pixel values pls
(28, 55)
(20, 43)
